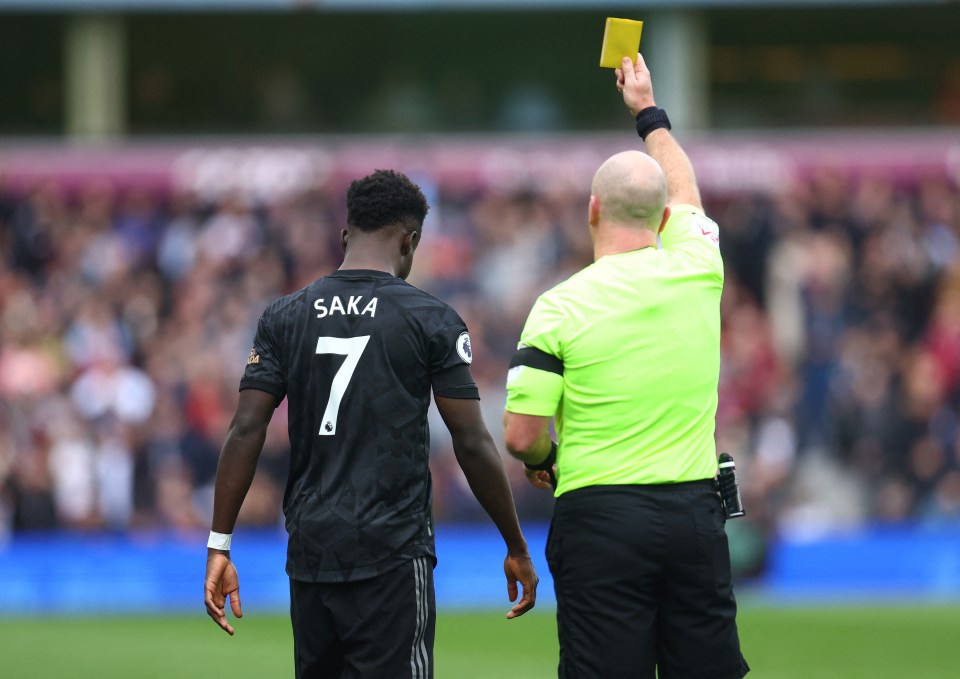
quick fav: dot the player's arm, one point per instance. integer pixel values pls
(635, 83)
(238, 464)
(479, 458)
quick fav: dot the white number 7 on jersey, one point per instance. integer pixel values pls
(351, 347)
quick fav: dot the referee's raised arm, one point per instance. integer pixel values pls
(634, 82)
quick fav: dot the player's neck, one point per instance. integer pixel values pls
(369, 260)
(613, 240)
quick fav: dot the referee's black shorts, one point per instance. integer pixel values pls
(642, 577)
(380, 628)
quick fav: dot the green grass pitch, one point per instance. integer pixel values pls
(780, 643)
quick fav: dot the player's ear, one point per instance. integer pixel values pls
(344, 237)
(409, 243)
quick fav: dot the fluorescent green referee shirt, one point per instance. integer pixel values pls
(626, 354)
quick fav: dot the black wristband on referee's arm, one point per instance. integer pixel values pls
(548, 461)
(547, 464)
(650, 119)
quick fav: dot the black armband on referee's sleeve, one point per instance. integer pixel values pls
(548, 461)
(537, 358)
(650, 119)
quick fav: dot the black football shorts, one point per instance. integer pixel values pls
(642, 577)
(379, 628)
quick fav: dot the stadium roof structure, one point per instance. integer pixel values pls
(416, 5)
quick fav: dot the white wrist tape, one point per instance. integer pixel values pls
(220, 541)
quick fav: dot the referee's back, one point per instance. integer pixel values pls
(638, 334)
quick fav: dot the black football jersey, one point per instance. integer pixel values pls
(356, 354)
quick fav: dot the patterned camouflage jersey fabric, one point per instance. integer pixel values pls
(356, 354)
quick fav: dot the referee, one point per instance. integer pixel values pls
(626, 355)
(357, 354)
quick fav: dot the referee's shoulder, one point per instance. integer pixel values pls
(573, 285)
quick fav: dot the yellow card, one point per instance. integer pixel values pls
(621, 38)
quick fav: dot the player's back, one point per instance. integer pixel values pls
(356, 351)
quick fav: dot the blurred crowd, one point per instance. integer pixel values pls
(126, 317)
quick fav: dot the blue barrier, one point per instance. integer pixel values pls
(150, 573)
(910, 561)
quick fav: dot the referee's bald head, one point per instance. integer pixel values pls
(631, 190)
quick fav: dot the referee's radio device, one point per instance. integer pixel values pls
(729, 487)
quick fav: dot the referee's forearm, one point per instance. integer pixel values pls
(676, 165)
(536, 452)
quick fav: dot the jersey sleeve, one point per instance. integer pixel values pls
(450, 355)
(691, 233)
(535, 378)
(264, 369)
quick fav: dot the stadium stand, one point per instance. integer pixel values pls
(128, 308)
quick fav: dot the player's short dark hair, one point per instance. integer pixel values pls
(384, 198)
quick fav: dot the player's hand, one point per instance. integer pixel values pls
(541, 478)
(520, 568)
(634, 83)
(221, 582)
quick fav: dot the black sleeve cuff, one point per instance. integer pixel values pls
(455, 382)
(275, 390)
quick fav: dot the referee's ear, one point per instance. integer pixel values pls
(666, 216)
(593, 212)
